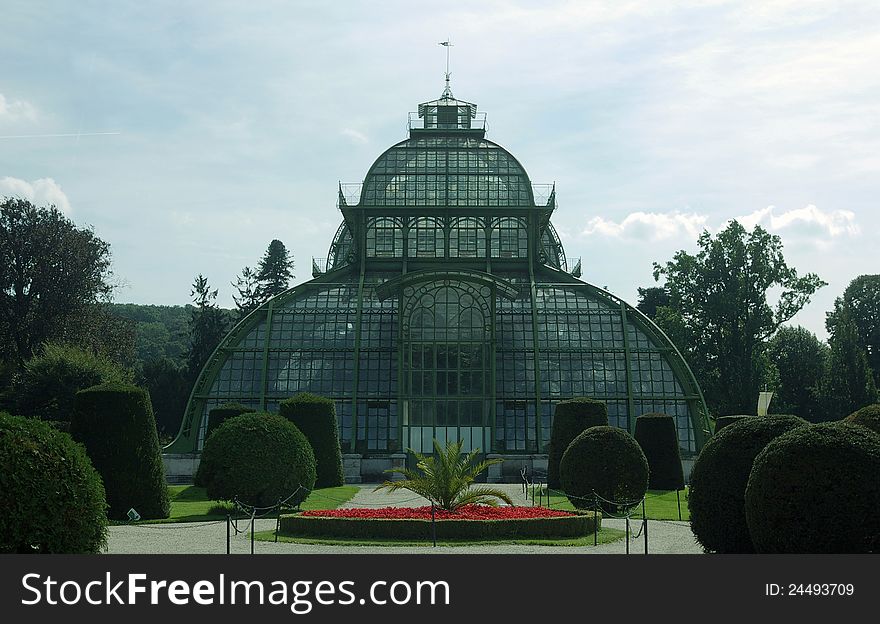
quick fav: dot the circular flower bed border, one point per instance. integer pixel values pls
(415, 524)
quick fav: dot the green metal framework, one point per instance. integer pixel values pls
(445, 310)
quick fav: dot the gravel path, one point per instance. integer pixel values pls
(210, 537)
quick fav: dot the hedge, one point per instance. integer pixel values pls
(53, 498)
(716, 494)
(116, 425)
(607, 461)
(258, 458)
(815, 490)
(219, 415)
(571, 418)
(48, 385)
(658, 437)
(315, 416)
(723, 421)
(576, 525)
(868, 416)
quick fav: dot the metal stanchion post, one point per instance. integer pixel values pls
(540, 494)
(595, 519)
(627, 535)
(678, 498)
(228, 522)
(433, 525)
(277, 519)
(253, 522)
(645, 525)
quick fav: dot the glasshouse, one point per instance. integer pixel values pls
(446, 309)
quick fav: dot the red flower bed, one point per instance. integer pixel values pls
(468, 512)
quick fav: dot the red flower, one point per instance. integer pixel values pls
(468, 512)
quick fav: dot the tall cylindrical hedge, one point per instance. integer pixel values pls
(606, 461)
(868, 416)
(258, 458)
(315, 416)
(218, 415)
(116, 425)
(816, 490)
(570, 418)
(658, 437)
(716, 497)
(53, 499)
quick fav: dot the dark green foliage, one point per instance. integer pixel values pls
(723, 421)
(219, 415)
(50, 381)
(719, 314)
(658, 437)
(571, 418)
(315, 416)
(848, 384)
(652, 298)
(868, 416)
(716, 495)
(576, 525)
(607, 461)
(258, 458)
(274, 271)
(798, 358)
(815, 490)
(861, 299)
(207, 326)
(169, 389)
(247, 286)
(51, 274)
(53, 499)
(115, 423)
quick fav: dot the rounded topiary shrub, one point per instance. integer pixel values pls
(315, 416)
(571, 418)
(53, 498)
(48, 385)
(868, 416)
(717, 488)
(221, 414)
(658, 437)
(258, 458)
(115, 423)
(605, 460)
(816, 490)
(723, 421)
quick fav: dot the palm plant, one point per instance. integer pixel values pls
(445, 478)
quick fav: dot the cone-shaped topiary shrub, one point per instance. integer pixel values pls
(258, 458)
(571, 418)
(868, 416)
(116, 425)
(607, 461)
(716, 495)
(658, 437)
(315, 416)
(53, 498)
(723, 421)
(219, 415)
(816, 490)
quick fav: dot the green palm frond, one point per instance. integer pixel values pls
(445, 478)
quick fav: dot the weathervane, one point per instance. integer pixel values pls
(447, 92)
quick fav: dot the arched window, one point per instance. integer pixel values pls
(509, 238)
(426, 239)
(384, 238)
(467, 238)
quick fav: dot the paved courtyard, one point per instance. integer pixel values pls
(664, 537)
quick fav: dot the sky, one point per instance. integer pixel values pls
(190, 134)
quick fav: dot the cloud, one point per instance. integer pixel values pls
(41, 192)
(809, 221)
(16, 110)
(649, 226)
(354, 135)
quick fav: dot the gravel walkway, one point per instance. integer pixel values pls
(664, 537)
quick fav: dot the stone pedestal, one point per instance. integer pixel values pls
(180, 468)
(493, 474)
(351, 467)
(398, 460)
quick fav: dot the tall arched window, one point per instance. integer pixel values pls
(467, 238)
(509, 238)
(426, 239)
(385, 238)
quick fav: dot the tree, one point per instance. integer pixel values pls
(247, 286)
(862, 299)
(274, 271)
(799, 359)
(51, 273)
(167, 383)
(718, 299)
(848, 383)
(652, 298)
(207, 325)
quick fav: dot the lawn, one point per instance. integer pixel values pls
(659, 504)
(605, 536)
(191, 504)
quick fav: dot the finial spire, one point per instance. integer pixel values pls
(447, 91)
